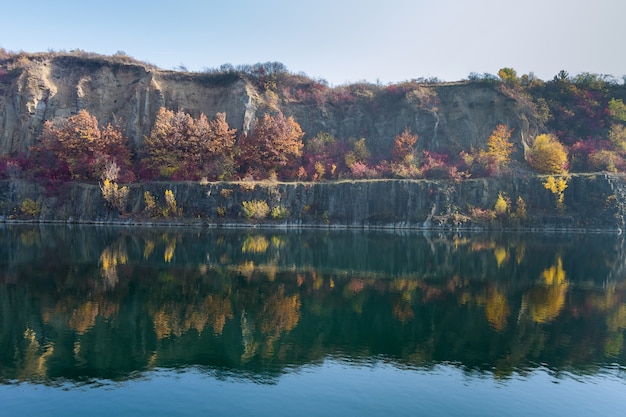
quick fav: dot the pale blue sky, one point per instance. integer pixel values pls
(340, 41)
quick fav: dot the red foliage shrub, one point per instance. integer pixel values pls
(436, 166)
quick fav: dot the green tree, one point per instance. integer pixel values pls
(617, 109)
(509, 76)
(617, 136)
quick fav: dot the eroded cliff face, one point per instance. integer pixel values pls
(124, 94)
(449, 117)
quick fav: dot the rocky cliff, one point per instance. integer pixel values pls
(39, 87)
(592, 202)
(448, 117)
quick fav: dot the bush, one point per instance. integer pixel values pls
(170, 205)
(255, 209)
(520, 209)
(605, 160)
(30, 207)
(280, 212)
(150, 204)
(115, 195)
(548, 155)
(482, 215)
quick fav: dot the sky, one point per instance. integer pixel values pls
(339, 41)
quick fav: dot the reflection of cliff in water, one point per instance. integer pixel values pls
(88, 302)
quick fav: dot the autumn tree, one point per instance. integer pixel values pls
(115, 195)
(213, 155)
(499, 148)
(77, 145)
(164, 146)
(495, 158)
(360, 152)
(617, 130)
(274, 145)
(182, 147)
(324, 157)
(547, 155)
(403, 162)
(403, 144)
(557, 187)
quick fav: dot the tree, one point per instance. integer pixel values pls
(78, 144)
(509, 76)
(402, 150)
(115, 195)
(359, 153)
(502, 205)
(213, 156)
(164, 146)
(182, 147)
(547, 155)
(617, 109)
(617, 136)
(273, 145)
(497, 156)
(324, 153)
(557, 187)
(499, 148)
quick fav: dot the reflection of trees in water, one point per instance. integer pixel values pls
(497, 310)
(238, 298)
(546, 301)
(110, 258)
(175, 319)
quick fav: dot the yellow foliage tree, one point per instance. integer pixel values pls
(617, 136)
(548, 155)
(170, 203)
(520, 208)
(499, 147)
(557, 187)
(502, 206)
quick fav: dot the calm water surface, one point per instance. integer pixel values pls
(182, 322)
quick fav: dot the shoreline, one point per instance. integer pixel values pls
(308, 226)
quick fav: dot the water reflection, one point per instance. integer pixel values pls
(90, 302)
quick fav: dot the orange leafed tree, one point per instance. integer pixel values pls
(163, 145)
(218, 145)
(274, 144)
(182, 147)
(79, 144)
(403, 146)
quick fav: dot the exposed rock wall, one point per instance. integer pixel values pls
(446, 116)
(592, 202)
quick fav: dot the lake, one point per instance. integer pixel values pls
(101, 321)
